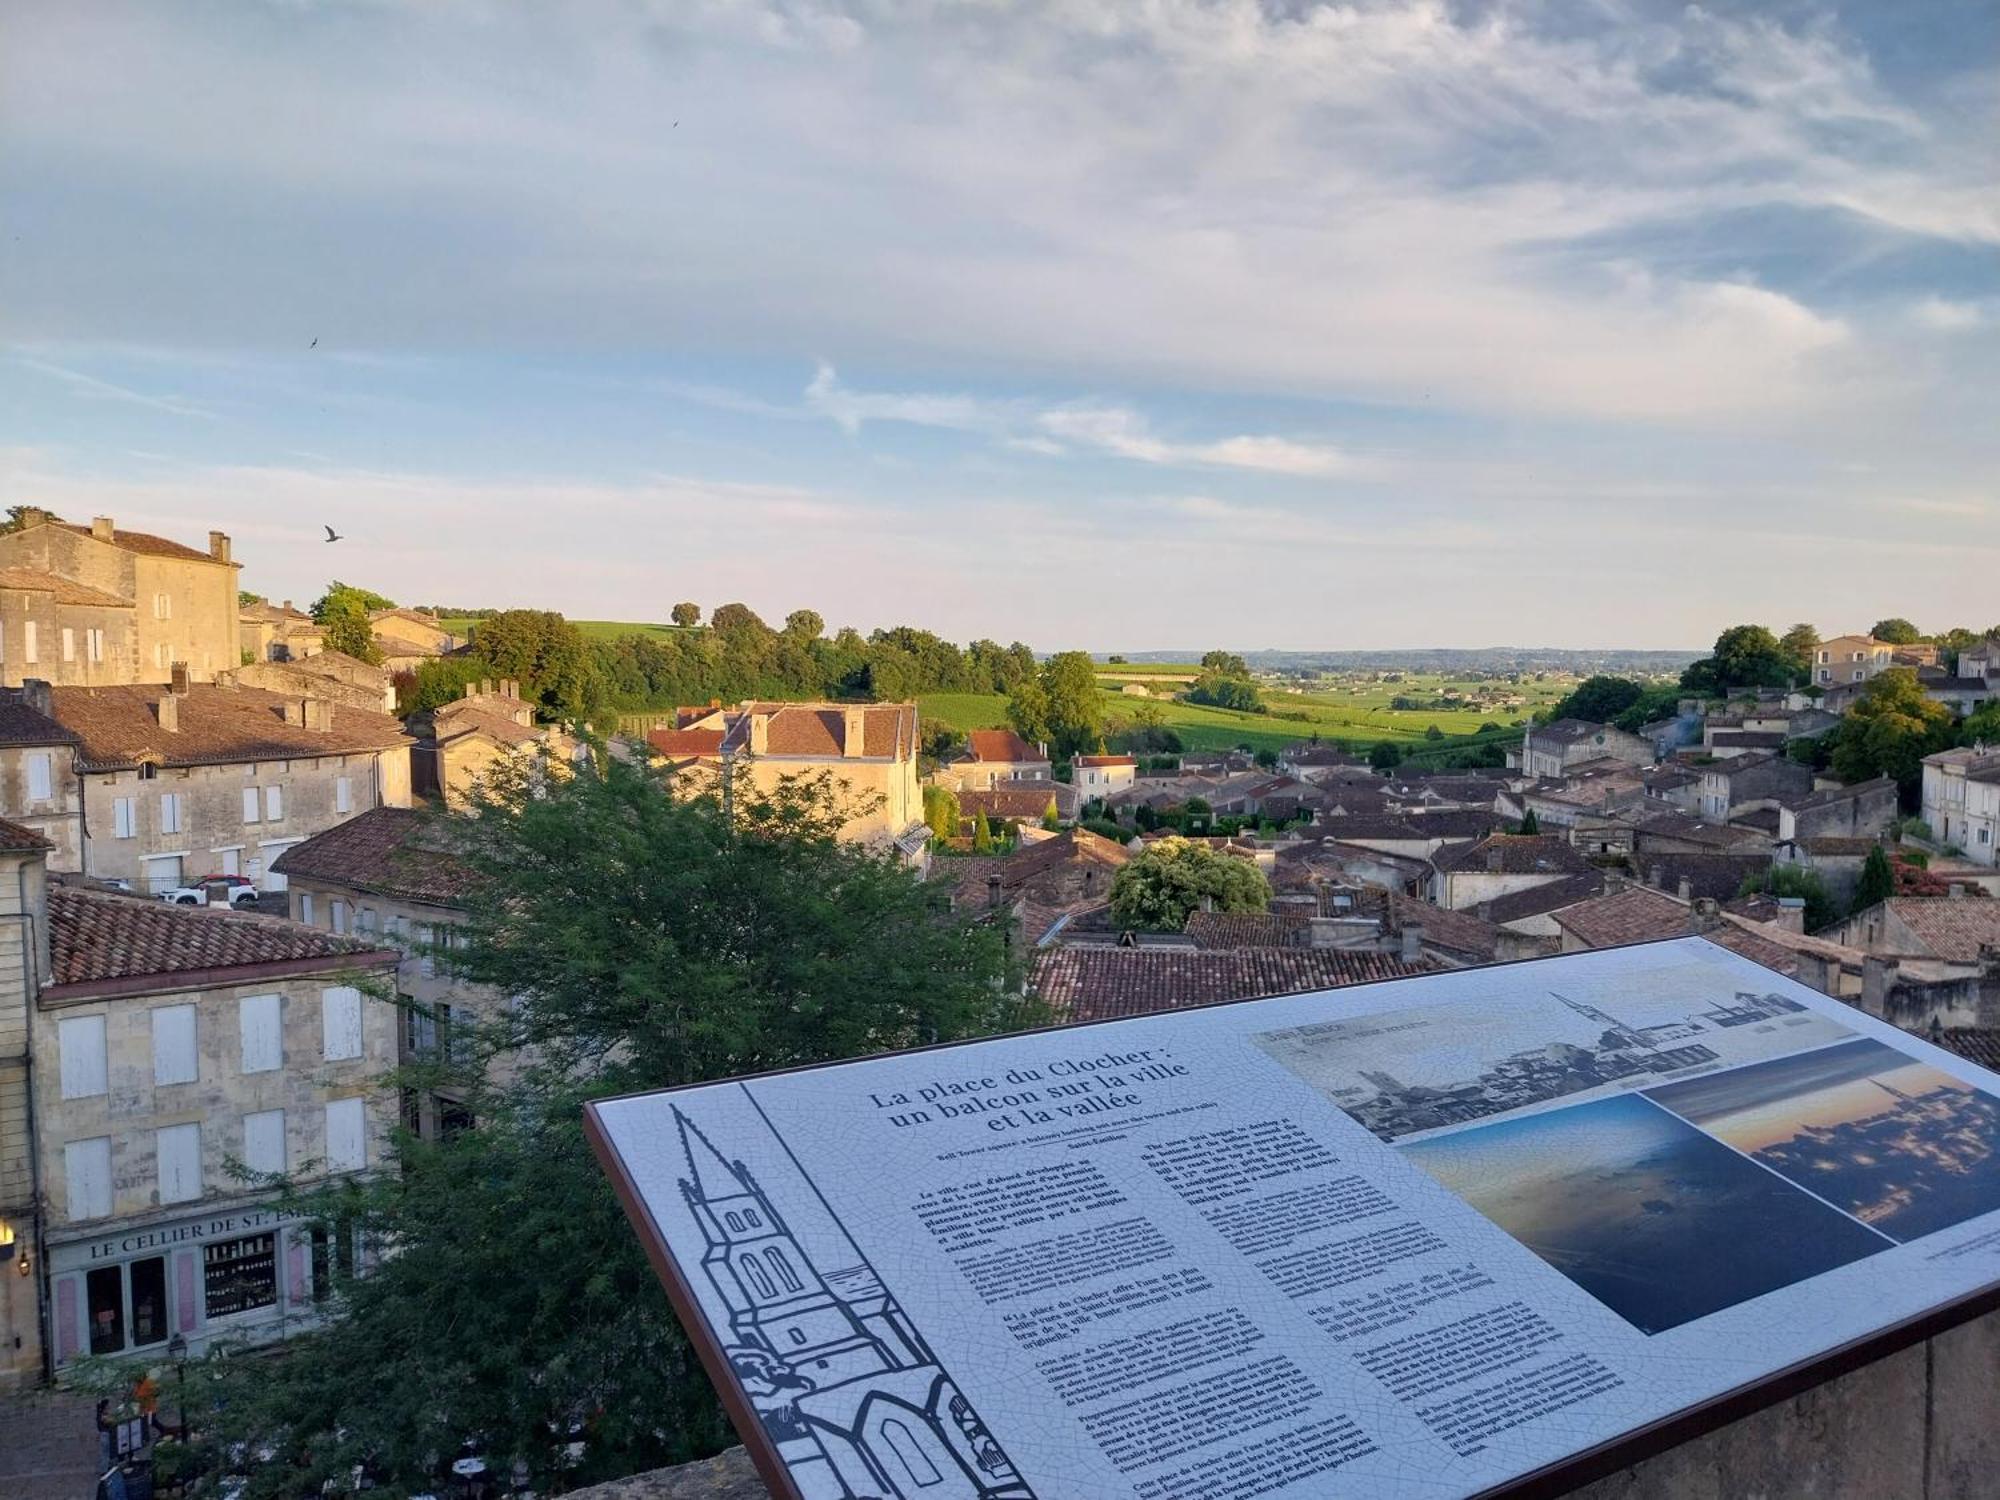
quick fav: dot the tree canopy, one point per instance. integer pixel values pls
(1889, 731)
(1061, 704)
(1224, 664)
(686, 613)
(1159, 889)
(342, 615)
(1745, 656)
(1599, 699)
(1897, 631)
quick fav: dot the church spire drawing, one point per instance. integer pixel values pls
(845, 1385)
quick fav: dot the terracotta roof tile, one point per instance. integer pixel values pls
(686, 741)
(14, 839)
(119, 727)
(22, 724)
(1099, 983)
(1028, 802)
(1951, 927)
(96, 937)
(1633, 915)
(1517, 854)
(1978, 1044)
(1249, 929)
(145, 542)
(1541, 900)
(1457, 932)
(1001, 745)
(397, 852)
(1106, 760)
(66, 591)
(1716, 876)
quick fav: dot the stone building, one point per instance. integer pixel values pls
(270, 632)
(459, 743)
(997, 755)
(181, 602)
(60, 631)
(1551, 750)
(408, 638)
(868, 749)
(169, 1042)
(184, 780)
(22, 885)
(1849, 659)
(341, 679)
(1502, 864)
(1961, 800)
(38, 783)
(1748, 783)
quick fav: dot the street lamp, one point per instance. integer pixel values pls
(177, 1349)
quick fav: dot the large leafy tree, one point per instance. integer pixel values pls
(1897, 631)
(649, 939)
(1224, 664)
(1599, 699)
(342, 615)
(686, 613)
(1890, 730)
(1801, 645)
(1745, 656)
(1062, 705)
(1174, 878)
(546, 653)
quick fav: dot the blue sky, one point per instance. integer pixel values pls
(1185, 323)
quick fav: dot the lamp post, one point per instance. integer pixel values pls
(177, 1349)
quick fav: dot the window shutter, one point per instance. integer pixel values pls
(39, 777)
(346, 1136)
(87, 1177)
(274, 803)
(177, 1150)
(263, 1038)
(340, 1022)
(264, 1141)
(173, 1045)
(80, 1039)
(250, 813)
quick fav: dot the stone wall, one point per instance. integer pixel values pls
(1919, 1425)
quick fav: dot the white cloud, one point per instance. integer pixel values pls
(93, 389)
(1946, 316)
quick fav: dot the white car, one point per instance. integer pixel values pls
(241, 892)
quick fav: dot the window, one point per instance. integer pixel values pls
(124, 818)
(251, 805)
(330, 1253)
(340, 1022)
(163, 655)
(337, 909)
(782, 1269)
(760, 1280)
(240, 1275)
(346, 1136)
(343, 794)
(170, 812)
(274, 803)
(231, 861)
(173, 1045)
(68, 644)
(104, 1291)
(41, 779)
(903, 1443)
(1985, 835)
(263, 1040)
(306, 907)
(28, 641)
(149, 1300)
(163, 606)
(93, 644)
(177, 1150)
(264, 1140)
(87, 1177)
(80, 1039)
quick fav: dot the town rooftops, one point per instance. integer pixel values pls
(680, 743)
(101, 944)
(1513, 854)
(1633, 915)
(1249, 929)
(65, 591)
(1021, 800)
(1717, 876)
(1459, 933)
(1106, 760)
(1831, 796)
(396, 852)
(14, 839)
(144, 542)
(264, 609)
(1001, 745)
(119, 727)
(1098, 983)
(454, 721)
(1953, 928)
(1569, 731)
(1541, 900)
(1979, 763)
(1072, 845)
(22, 723)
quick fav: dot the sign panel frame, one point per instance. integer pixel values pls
(1599, 1459)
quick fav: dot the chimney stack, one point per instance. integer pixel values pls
(1878, 978)
(1956, 890)
(992, 890)
(1493, 860)
(853, 740)
(177, 680)
(169, 712)
(295, 712)
(35, 693)
(218, 546)
(1413, 944)
(101, 528)
(317, 714)
(1485, 911)
(1685, 890)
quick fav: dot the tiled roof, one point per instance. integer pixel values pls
(14, 839)
(450, 725)
(1835, 846)
(1457, 932)
(95, 937)
(142, 541)
(1249, 929)
(21, 724)
(1518, 854)
(392, 851)
(1024, 864)
(686, 741)
(1755, 947)
(820, 729)
(1716, 876)
(1001, 745)
(119, 727)
(1978, 1044)
(1666, 824)
(1540, 900)
(65, 590)
(1029, 802)
(282, 614)
(1633, 915)
(1747, 739)
(1828, 796)
(1098, 983)
(1666, 778)
(1106, 760)
(1568, 731)
(1952, 927)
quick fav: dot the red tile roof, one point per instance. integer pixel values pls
(65, 590)
(1212, 930)
(1106, 760)
(1633, 915)
(14, 839)
(1001, 745)
(686, 741)
(1954, 928)
(1098, 984)
(23, 724)
(118, 727)
(396, 852)
(96, 938)
(146, 542)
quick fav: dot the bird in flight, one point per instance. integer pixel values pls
(313, 345)
(333, 536)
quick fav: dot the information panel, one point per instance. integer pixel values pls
(1426, 1238)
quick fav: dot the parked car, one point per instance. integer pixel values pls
(196, 893)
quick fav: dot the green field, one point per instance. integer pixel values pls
(1362, 716)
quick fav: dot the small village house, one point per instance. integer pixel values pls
(1848, 659)
(998, 755)
(1552, 750)
(1103, 775)
(1961, 800)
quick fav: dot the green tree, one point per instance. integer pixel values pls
(21, 517)
(1877, 882)
(1745, 656)
(1161, 887)
(1061, 705)
(941, 812)
(244, 598)
(686, 613)
(651, 941)
(1266, 758)
(1889, 731)
(1052, 815)
(731, 617)
(982, 834)
(1599, 699)
(1386, 755)
(804, 625)
(1897, 631)
(1219, 691)
(1800, 645)
(1224, 664)
(1530, 823)
(544, 652)
(342, 615)
(1981, 727)
(1795, 880)
(1432, 732)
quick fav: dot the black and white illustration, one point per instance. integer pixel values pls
(1402, 1072)
(845, 1384)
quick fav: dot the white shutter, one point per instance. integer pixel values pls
(124, 822)
(274, 803)
(28, 641)
(339, 909)
(87, 1177)
(39, 779)
(306, 907)
(264, 1141)
(69, 644)
(170, 812)
(263, 1038)
(340, 1022)
(173, 1044)
(346, 1136)
(80, 1039)
(177, 1148)
(343, 794)
(250, 813)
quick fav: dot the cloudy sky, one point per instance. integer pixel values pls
(1157, 324)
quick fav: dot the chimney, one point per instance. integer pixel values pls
(101, 528)
(1791, 914)
(1956, 890)
(854, 732)
(760, 733)
(317, 714)
(177, 679)
(169, 712)
(295, 712)
(288, 604)
(35, 693)
(218, 546)
(1493, 859)
(1485, 911)
(1413, 944)
(1704, 915)
(1878, 978)
(1685, 890)
(992, 890)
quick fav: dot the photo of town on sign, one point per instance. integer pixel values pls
(1403, 1072)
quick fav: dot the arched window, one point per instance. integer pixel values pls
(903, 1443)
(782, 1269)
(750, 1217)
(798, 1335)
(760, 1282)
(733, 1219)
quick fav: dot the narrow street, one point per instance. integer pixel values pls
(48, 1446)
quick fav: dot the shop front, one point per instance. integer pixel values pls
(249, 1274)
